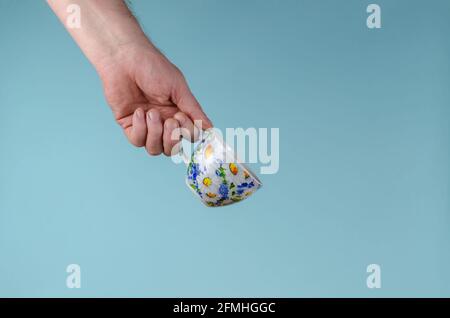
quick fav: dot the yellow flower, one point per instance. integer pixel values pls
(233, 168)
(207, 181)
(209, 151)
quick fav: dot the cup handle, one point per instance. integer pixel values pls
(186, 159)
(183, 155)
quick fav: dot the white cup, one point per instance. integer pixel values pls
(215, 175)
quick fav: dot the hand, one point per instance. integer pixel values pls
(149, 98)
(147, 94)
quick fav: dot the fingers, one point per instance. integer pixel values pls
(188, 130)
(147, 130)
(171, 135)
(154, 127)
(189, 105)
(137, 132)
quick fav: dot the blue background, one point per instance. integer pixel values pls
(364, 157)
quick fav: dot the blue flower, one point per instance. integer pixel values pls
(246, 185)
(194, 171)
(223, 190)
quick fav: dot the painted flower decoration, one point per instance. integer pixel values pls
(208, 187)
(215, 181)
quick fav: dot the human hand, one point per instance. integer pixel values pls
(149, 98)
(148, 95)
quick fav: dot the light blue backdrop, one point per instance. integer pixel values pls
(364, 167)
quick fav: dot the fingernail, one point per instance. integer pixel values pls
(139, 113)
(150, 115)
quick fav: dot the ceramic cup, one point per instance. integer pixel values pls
(215, 175)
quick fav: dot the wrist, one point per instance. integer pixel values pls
(108, 40)
(115, 47)
(122, 58)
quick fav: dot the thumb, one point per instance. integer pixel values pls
(189, 105)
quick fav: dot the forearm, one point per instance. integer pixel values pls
(106, 27)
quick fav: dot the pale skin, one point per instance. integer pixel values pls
(148, 95)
